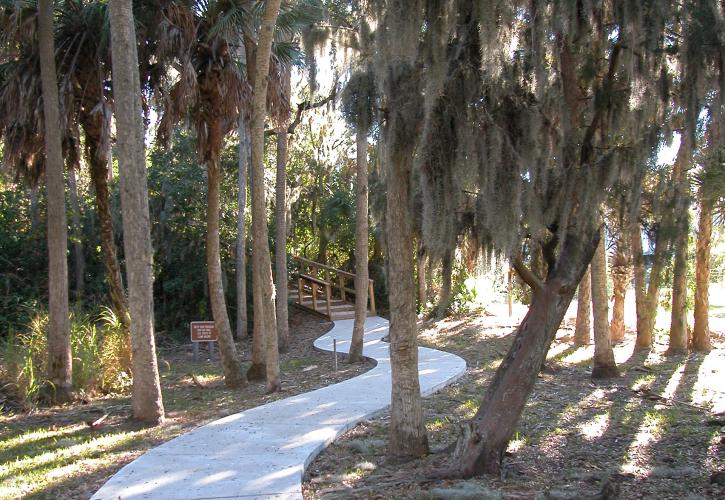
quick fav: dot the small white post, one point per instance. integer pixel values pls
(334, 350)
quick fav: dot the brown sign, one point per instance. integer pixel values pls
(203, 331)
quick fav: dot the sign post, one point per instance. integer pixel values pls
(203, 331)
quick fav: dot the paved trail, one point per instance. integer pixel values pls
(263, 452)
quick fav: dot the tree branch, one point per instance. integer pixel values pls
(305, 106)
(526, 274)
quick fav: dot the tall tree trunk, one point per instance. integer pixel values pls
(635, 241)
(361, 245)
(422, 295)
(408, 437)
(621, 276)
(79, 259)
(701, 330)
(241, 256)
(583, 329)
(233, 373)
(678, 324)
(264, 299)
(444, 302)
(604, 364)
(146, 392)
(481, 447)
(59, 349)
(280, 252)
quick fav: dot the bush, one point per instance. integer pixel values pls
(100, 349)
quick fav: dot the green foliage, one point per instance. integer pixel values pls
(99, 346)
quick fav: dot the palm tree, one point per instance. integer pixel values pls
(82, 52)
(59, 348)
(604, 363)
(146, 395)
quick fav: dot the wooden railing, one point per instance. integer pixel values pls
(329, 280)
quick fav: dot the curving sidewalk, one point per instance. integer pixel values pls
(263, 452)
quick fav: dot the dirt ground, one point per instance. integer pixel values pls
(658, 431)
(55, 453)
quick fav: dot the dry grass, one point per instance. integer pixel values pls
(650, 431)
(54, 453)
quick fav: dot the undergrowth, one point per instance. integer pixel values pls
(100, 349)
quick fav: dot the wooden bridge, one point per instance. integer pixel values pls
(324, 290)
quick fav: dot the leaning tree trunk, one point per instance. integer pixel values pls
(604, 365)
(146, 392)
(444, 302)
(59, 348)
(280, 251)
(701, 330)
(481, 447)
(79, 267)
(95, 126)
(233, 374)
(621, 276)
(361, 246)
(583, 329)
(241, 256)
(264, 300)
(678, 324)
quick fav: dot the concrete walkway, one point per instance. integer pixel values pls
(263, 452)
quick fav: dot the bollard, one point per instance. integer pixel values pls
(334, 350)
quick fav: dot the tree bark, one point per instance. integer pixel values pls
(233, 374)
(361, 246)
(241, 256)
(583, 329)
(701, 331)
(146, 391)
(621, 276)
(79, 259)
(604, 364)
(678, 324)
(444, 302)
(481, 447)
(59, 348)
(264, 299)
(280, 253)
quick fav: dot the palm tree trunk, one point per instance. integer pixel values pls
(264, 300)
(98, 155)
(361, 246)
(79, 259)
(59, 349)
(233, 374)
(604, 364)
(408, 436)
(621, 275)
(678, 325)
(583, 329)
(701, 330)
(146, 392)
(280, 254)
(241, 256)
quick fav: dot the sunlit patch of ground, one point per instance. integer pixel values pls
(653, 432)
(54, 453)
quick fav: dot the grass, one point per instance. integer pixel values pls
(54, 453)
